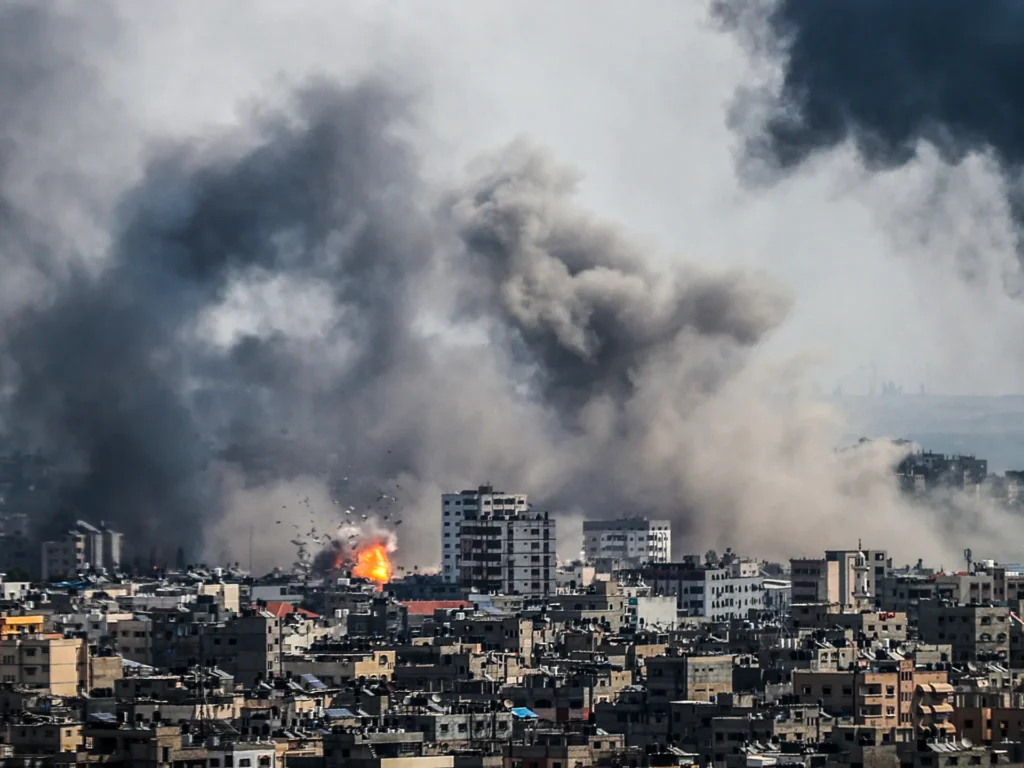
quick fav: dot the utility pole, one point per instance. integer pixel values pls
(250, 549)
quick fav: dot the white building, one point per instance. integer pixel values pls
(454, 508)
(508, 552)
(629, 542)
(651, 612)
(720, 591)
(13, 590)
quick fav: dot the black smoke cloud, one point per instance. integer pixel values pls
(886, 76)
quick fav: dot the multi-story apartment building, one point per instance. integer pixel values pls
(455, 507)
(852, 579)
(508, 552)
(47, 663)
(687, 678)
(880, 696)
(629, 542)
(84, 546)
(725, 590)
(814, 580)
(975, 632)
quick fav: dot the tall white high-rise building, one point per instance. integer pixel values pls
(628, 542)
(455, 507)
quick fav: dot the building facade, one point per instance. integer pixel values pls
(455, 507)
(719, 591)
(511, 553)
(84, 546)
(629, 542)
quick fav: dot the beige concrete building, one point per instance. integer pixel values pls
(46, 662)
(690, 678)
(814, 580)
(43, 738)
(881, 696)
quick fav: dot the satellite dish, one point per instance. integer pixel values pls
(407, 700)
(507, 703)
(435, 698)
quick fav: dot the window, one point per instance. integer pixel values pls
(244, 762)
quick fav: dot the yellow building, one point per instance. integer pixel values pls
(12, 626)
(45, 662)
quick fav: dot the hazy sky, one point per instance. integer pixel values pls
(638, 98)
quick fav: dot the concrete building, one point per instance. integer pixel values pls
(63, 557)
(862, 576)
(48, 663)
(455, 507)
(84, 546)
(651, 612)
(629, 542)
(248, 647)
(879, 696)
(687, 678)
(728, 589)
(975, 632)
(853, 579)
(508, 552)
(814, 580)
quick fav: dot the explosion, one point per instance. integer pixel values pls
(372, 563)
(365, 553)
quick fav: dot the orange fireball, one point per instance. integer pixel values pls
(372, 563)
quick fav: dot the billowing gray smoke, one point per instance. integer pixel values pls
(278, 325)
(106, 373)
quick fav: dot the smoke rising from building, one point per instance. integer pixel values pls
(289, 309)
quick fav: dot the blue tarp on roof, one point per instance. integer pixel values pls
(524, 713)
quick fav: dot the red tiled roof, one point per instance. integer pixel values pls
(427, 607)
(280, 610)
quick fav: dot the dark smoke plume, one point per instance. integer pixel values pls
(887, 76)
(105, 374)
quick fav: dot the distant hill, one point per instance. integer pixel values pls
(988, 427)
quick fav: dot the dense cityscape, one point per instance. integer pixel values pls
(511, 384)
(498, 654)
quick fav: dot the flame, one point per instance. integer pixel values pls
(372, 563)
